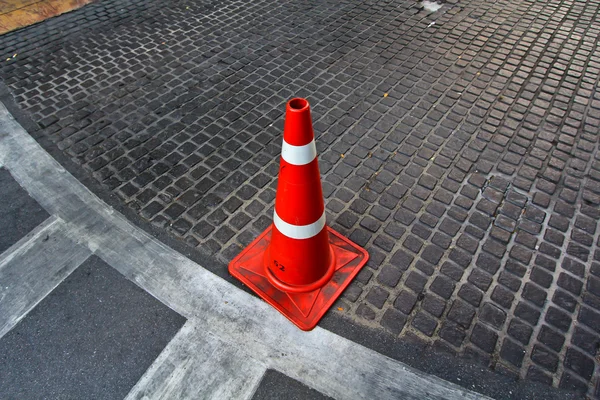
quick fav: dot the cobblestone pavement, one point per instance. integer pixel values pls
(459, 147)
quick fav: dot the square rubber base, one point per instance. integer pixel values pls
(303, 309)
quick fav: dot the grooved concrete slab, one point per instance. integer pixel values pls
(19, 213)
(92, 337)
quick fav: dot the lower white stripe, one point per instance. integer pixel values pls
(299, 231)
(298, 155)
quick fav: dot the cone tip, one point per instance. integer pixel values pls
(297, 104)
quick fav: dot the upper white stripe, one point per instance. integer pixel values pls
(299, 231)
(298, 155)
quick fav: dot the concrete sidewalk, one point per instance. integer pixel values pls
(459, 147)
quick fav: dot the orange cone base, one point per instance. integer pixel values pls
(303, 309)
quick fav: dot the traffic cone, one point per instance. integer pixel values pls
(299, 265)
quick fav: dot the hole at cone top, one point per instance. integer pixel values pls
(298, 104)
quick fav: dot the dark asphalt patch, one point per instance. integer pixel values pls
(275, 386)
(19, 213)
(93, 337)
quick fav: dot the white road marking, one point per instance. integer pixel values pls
(23, 245)
(197, 365)
(31, 271)
(227, 320)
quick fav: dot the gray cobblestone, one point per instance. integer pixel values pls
(461, 154)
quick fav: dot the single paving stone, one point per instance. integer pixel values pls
(405, 302)
(467, 243)
(578, 251)
(433, 254)
(534, 294)
(412, 243)
(589, 318)
(481, 279)
(500, 235)
(416, 282)
(516, 268)
(484, 338)
(389, 276)
(511, 211)
(479, 220)
(425, 267)
(586, 224)
(559, 222)
(488, 263)
(347, 219)
(538, 375)
(527, 313)
(402, 259)
(503, 297)
(360, 237)
(558, 318)
(449, 227)
(573, 266)
(460, 257)
(505, 223)
(442, 286)
(377, 297)
(384, 243)
(521, 254)
(365, 312)
(174, 211)
(495, 248)
(364, 276)
(551, 338)
(223, 234)
(585, 340)
(512, 352)
(579, 363)
(181, 226)
(541, 199)
(424, 323)
(541, 277)
(555, 237)
(492, 315)
(564, 300)
(352, 292)
(520, 331)
(452, 333)
(509, 280)
(395, 230)
(582, 238)
(487, 207)
(470, 294)
(544, 358)
(434, 305)
(461, 313)
(570, 283)
(393, 321)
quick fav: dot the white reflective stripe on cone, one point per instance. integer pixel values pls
(299, 231)
(298, 155)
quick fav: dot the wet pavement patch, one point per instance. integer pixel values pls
(19, 213)
(275, 385)
(93, 337)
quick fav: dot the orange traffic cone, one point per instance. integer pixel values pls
(299, 265)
